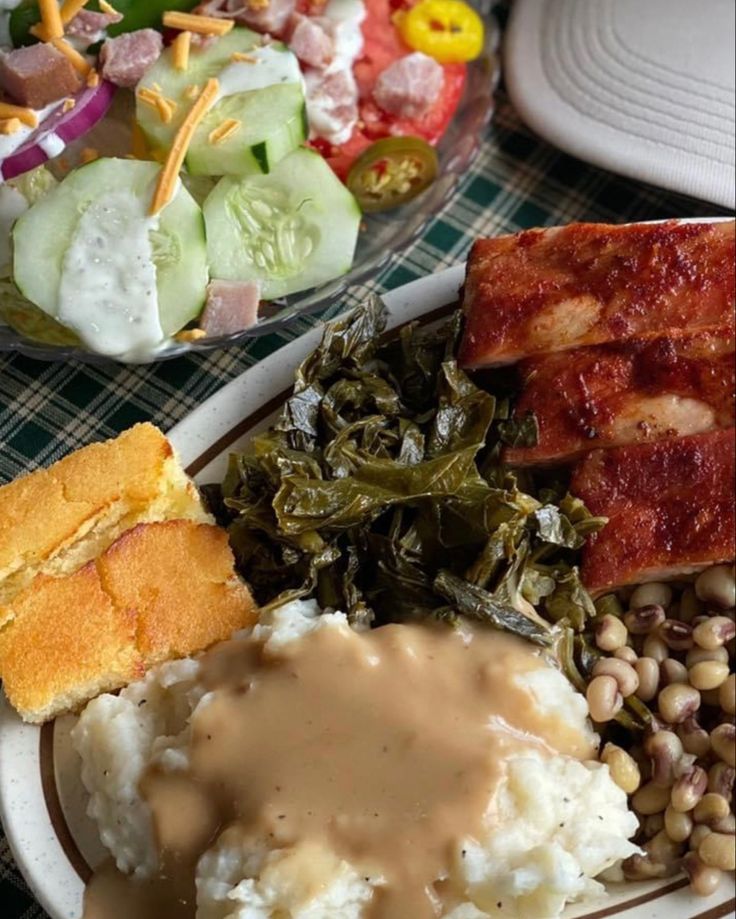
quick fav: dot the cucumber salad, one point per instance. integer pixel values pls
(166, 168)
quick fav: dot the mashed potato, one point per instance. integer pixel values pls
(554, 825)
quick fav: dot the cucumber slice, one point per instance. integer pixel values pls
(290, 230)
(263, 95)
(43, 235)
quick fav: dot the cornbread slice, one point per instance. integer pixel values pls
(162, 590)
(56, 520)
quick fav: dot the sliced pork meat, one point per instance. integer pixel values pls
(231, 307)
(332, 103)
(272, 16)
(670, 506)
(409, 87)
(586, 284)
(125, 59)
(312, 40)
(90, 25)
(37, 75)
(628, 392)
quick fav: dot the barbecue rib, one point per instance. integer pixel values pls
(670, 506)
(635, 391)
(586, 284)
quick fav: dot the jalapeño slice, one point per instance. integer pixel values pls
(391, 172)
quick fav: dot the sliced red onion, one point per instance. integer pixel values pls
(59, 129)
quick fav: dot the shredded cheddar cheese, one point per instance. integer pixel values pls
(202, 25)
(25, 115)
(181, 46)
(192, 91)
(93, 79)
(51, 26)
(68, 105)
(78, 61)
(175, 160)
(224, 131)
(241, 57)
(153, 98)
(70, 8)
(108, 8)
(189, 335)
(10, 125)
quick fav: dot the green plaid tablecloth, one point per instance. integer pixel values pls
(517, 182)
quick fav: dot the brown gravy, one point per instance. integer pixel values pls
(383, 747)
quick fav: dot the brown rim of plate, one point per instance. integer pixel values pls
(46, 743)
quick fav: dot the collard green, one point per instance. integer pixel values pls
(379, 490)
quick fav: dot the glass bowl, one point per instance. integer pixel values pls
(381, 237)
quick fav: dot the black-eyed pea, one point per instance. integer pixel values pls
(696, 655)
(727, 695)
(714, 632)
(677, 702)
(721, 779)
(678, 636)
(723, 742)
(647, 669)
(665, 751)
(726, 825)
(645, 620)
(655, 647)
(650, 799)
(710, 809)
(704, 881)
(623, 768)
(626, 654)
(610, 633)
(700, 831)
(708, 675)
(690, 605)
(717, 585)
(689, 789)
(672, 671)
(679, 826)
(604, 699)
(622, 672)
(652, 594)
(695, 739)
(717, 850)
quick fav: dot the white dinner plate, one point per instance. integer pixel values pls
(42, 802)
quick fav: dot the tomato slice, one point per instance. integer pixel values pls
(391, 172)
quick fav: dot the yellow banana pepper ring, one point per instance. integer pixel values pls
(450, 31)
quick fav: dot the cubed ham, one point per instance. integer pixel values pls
(126, 59)
(409, 87)
(312, 40)
(332, 103)
(272, 16)
(627, 392)
(231, 307)
(585, 284)
(37, 75)
(670, 508)
(91, 25)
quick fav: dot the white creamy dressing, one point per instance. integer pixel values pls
(347, 16)
(269, 67)
(12, 205)
(6, 7)
(9, 143)
(107, 292)
(51, 144)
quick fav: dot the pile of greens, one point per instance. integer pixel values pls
(380, 492)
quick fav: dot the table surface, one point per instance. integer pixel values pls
(517, 181)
